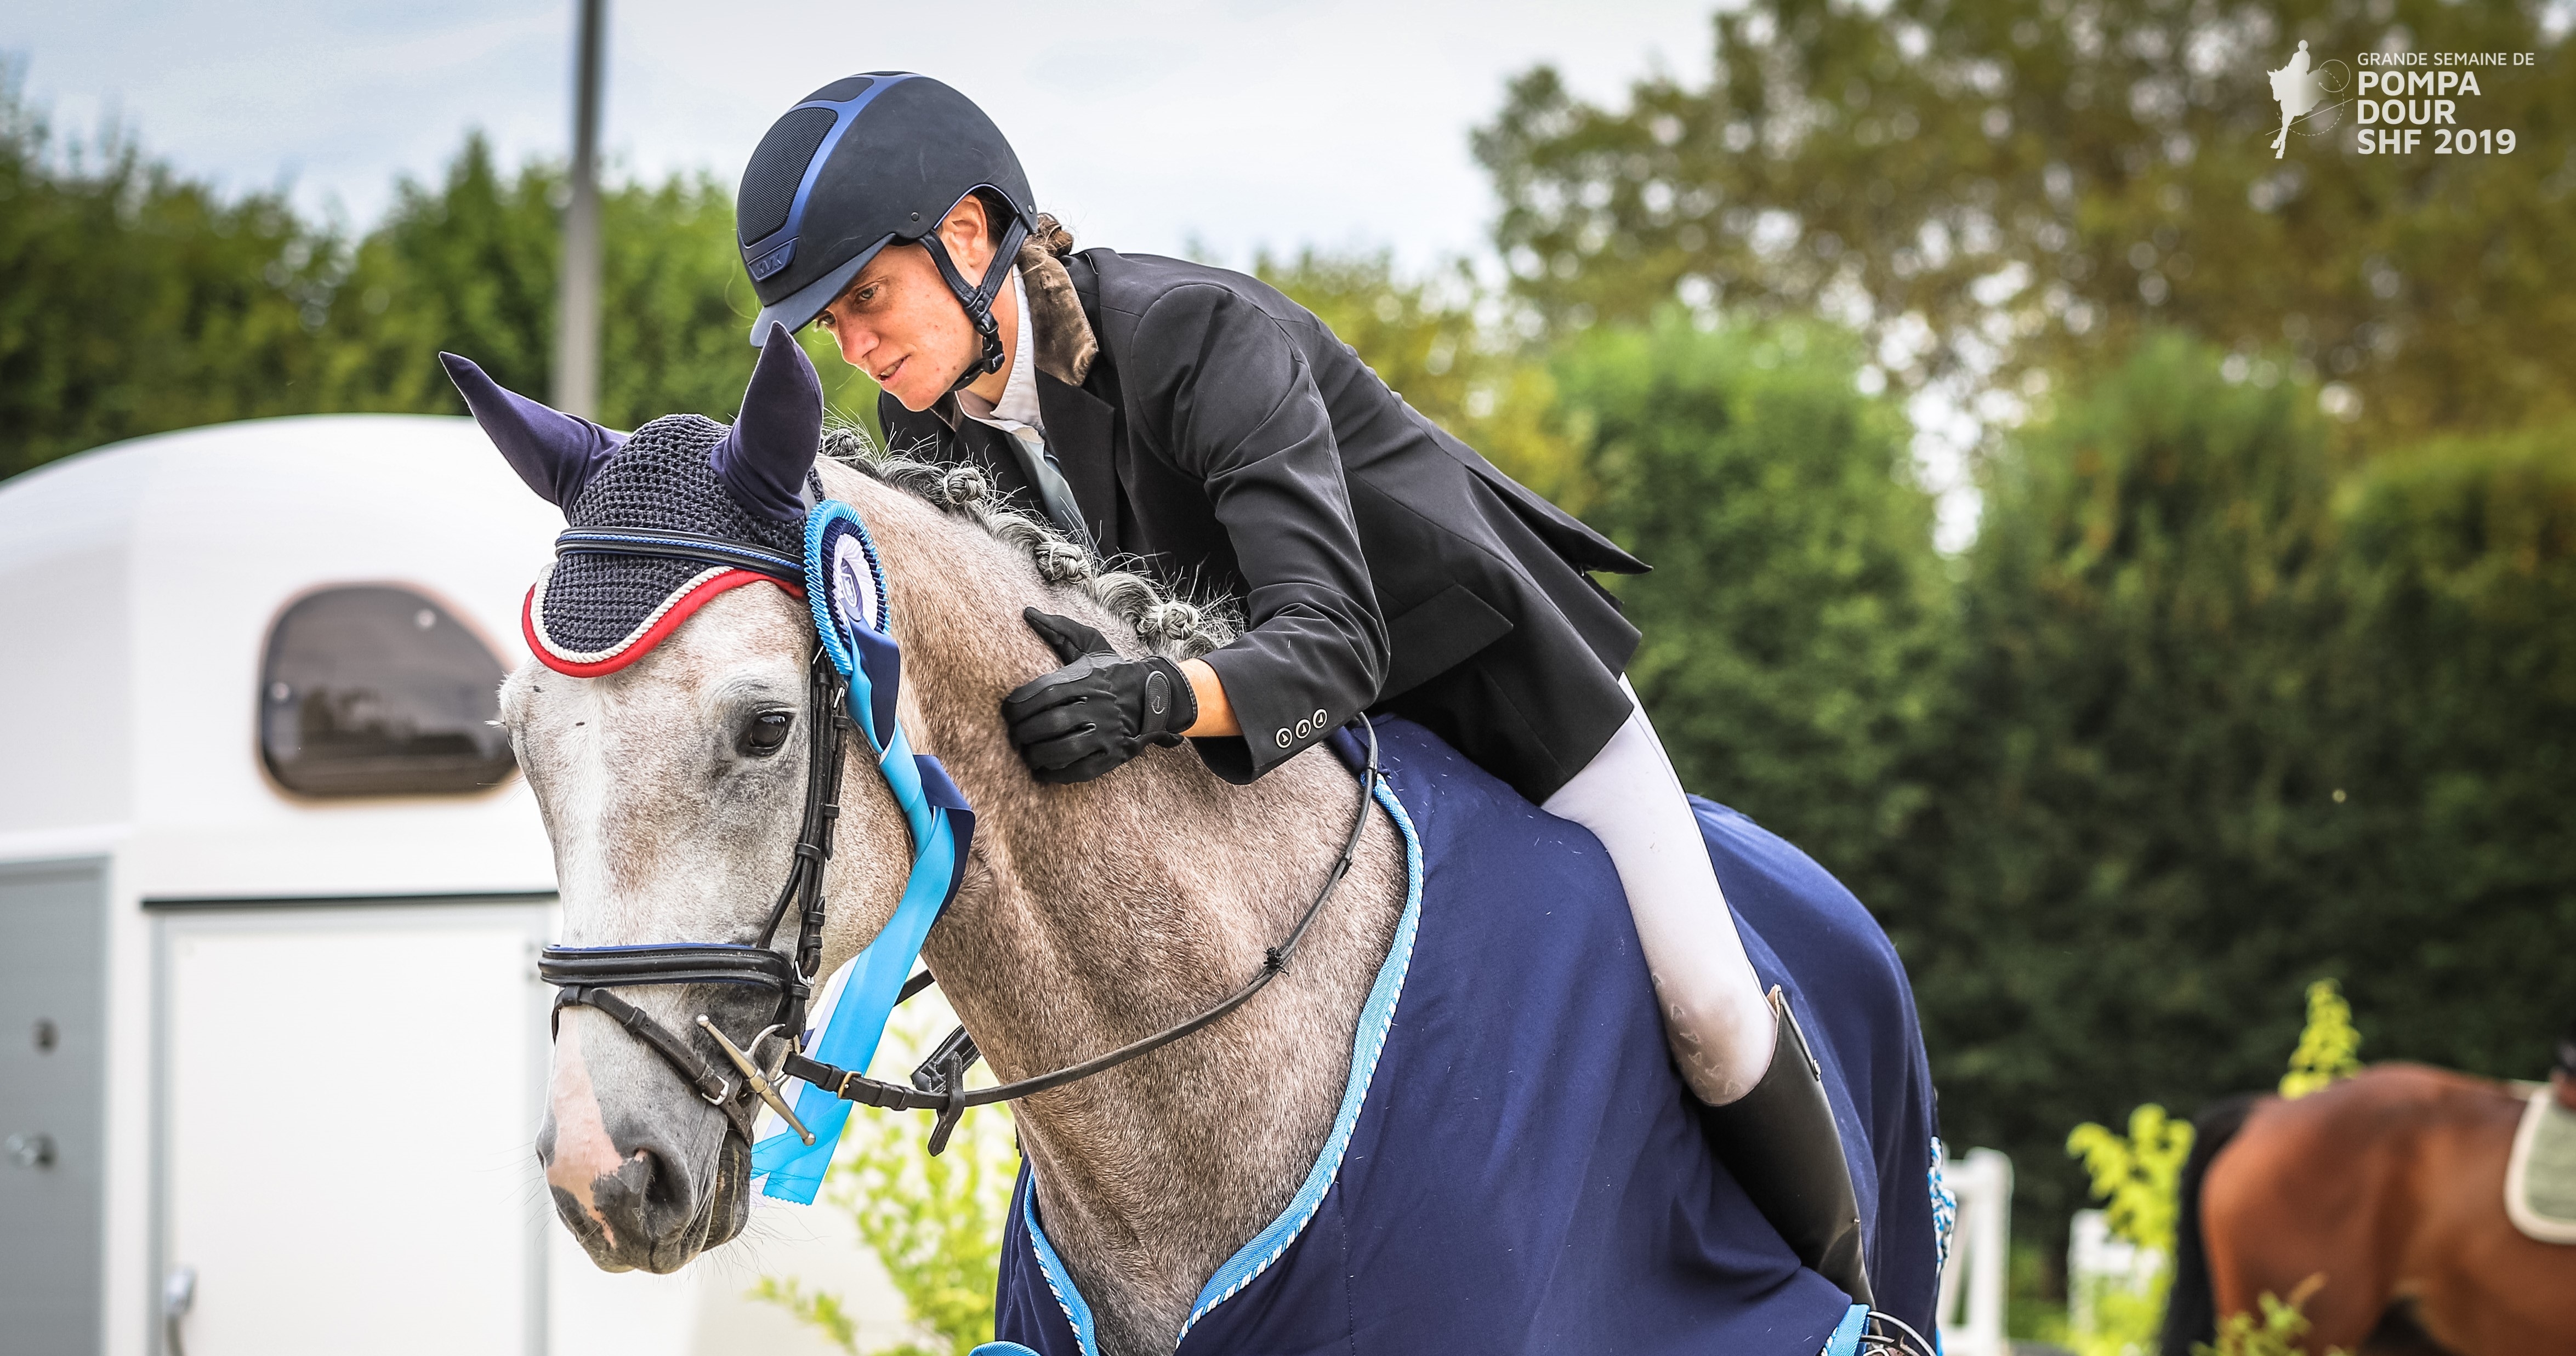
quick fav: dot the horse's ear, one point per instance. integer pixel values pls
(764, 457)
(552, 451)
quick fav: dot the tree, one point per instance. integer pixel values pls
(134, 300)
(2033, 185)
(1798, 622)
(1446, 345)
(2136, 790)
(467, 267)
(2237, 716)
(2454, 705)
(470, 267)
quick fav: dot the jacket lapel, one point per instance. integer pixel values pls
(1079, 430)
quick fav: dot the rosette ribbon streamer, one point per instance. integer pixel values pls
(845, 589)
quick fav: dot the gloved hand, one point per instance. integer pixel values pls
(1099, 710)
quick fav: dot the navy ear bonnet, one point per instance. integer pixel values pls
(662, 519)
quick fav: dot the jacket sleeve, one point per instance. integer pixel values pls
(1226, 395)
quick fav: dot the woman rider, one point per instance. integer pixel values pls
(1199, 419)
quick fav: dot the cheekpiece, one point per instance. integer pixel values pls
(846, 590)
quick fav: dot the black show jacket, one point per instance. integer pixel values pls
(1226, 436)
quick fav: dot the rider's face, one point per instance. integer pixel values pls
(899, 323)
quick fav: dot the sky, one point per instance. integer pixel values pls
(1152, 125)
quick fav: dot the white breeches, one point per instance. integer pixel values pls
(1715, 1016)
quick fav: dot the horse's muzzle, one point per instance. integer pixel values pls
(663, 1205)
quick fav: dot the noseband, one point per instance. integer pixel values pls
(587, 976)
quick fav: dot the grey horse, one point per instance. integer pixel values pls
(1089, 915)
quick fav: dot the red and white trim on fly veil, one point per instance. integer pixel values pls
(657, 624)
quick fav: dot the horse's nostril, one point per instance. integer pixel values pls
(661, 1188)
(648, 1198)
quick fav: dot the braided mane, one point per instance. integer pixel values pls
(1167, 624)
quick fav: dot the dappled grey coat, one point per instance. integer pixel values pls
(1208, 423)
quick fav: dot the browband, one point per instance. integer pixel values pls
(642, 541)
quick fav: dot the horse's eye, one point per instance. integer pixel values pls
(765, 733)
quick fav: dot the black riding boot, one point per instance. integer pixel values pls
(1780, 1142)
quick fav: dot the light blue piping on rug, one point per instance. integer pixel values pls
(1367, 1044)
(1067, 1295)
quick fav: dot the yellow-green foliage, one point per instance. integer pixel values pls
(2138, 1175)
(2125, 1322)
(2276, 1333)
(820, 1308)
(2134, 1174)
(933, 1224)
(2329, 1046)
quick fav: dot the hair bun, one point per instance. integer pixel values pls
(1052, 236)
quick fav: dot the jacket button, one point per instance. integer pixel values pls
(1284, 740)
(1320, 719)
(1305, 728)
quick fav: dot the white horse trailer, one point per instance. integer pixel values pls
(272, 1046)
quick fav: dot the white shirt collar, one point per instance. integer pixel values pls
(1017, 411)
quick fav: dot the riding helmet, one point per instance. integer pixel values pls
(864, 162)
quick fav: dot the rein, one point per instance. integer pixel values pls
(587, 976)
(940, 1083)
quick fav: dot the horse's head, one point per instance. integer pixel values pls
(664, 728)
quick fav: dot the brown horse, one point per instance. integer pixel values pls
(2390, 1187)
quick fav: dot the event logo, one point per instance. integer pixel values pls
(2422, 98)
(2299, 89)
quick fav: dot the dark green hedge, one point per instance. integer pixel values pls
(2204, 713)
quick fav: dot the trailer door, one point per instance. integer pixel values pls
(349, 1102)
(53, 1054)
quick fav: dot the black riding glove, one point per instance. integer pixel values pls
(1099, 710)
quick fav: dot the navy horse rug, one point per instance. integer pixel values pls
(1517, 1165)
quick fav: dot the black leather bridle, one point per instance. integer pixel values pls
(588, 976)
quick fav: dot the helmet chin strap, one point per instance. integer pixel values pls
(978, 300)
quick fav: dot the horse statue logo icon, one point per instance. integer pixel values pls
(2299, 89)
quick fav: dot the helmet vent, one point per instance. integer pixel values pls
(769, 182)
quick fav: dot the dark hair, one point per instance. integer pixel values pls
(997, 215)
(1050, 234)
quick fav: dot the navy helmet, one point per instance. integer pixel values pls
(862, 163)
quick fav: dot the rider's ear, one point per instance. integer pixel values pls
(968, 233)
(552, 451)
(765, 455)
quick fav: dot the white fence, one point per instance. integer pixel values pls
(1971, 1309)
(2099, 1262)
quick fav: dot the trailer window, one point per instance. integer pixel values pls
(377, 691)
